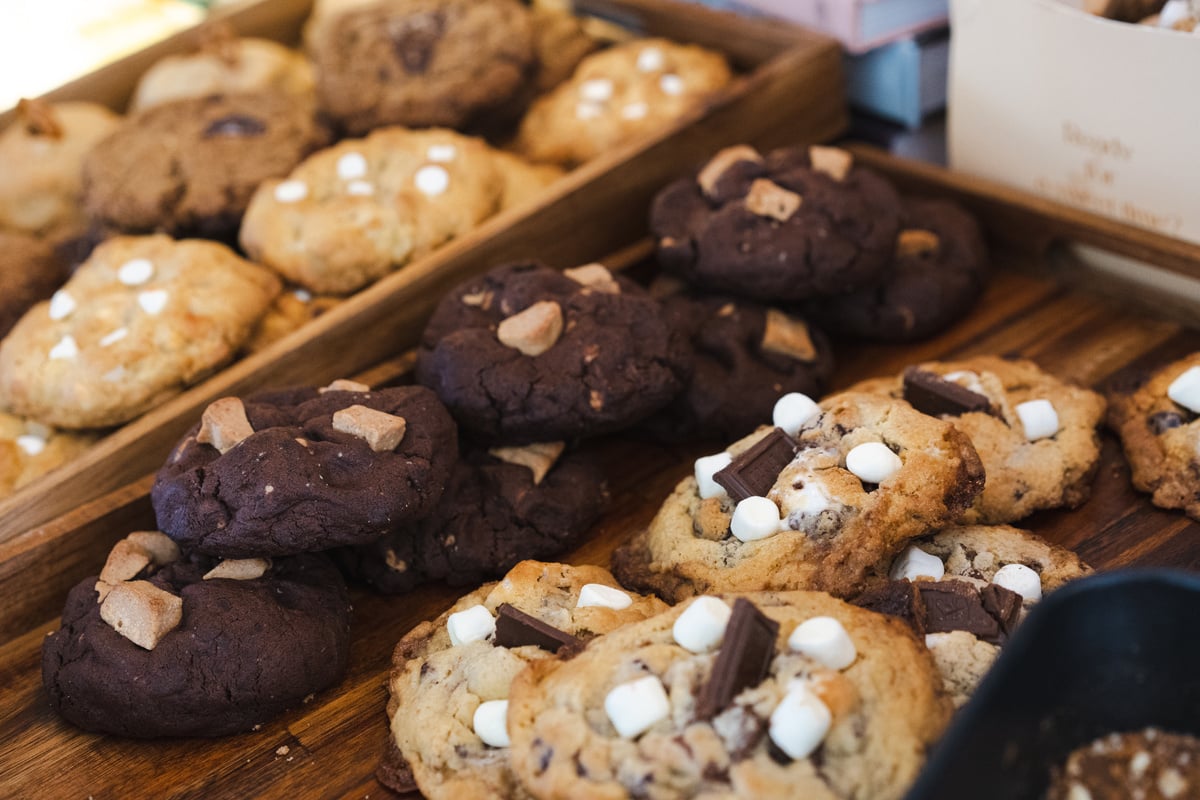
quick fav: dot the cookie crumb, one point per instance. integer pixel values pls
(283, 750)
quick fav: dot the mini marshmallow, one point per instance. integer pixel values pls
(792, 411)
(914, 563)
(755, 518)
(351, 166)
(597, 90)
(114, 337)
(432, 180)
(635, 706)
(706, 467)
(66, 348)
(1038, 418)
(491, 723)
(873, 462)
(701, 626)
(471, 625)
(597, 594)
(441, 153)
(1020, 579)
(671, 84)
(825, 640)
(135, 272)
(291, 191)
(635, 111)
(61, 305)
(154, 301)
(31, 445)
(650, 59)
(800, 722)
(1185, 390)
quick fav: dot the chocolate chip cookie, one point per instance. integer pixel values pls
(1151, 764)
(798, 223)
(526, 354)
(163, 645)
(814, 506)
(305, 469)
(29, 271)
(450, 677)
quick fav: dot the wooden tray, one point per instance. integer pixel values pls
(333, 743)
(791, 90)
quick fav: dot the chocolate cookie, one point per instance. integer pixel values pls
(189, 167)
(798, 223)
(498, 508)
(159, 645)
(938, 271)
(421, 63)
(1149, 764)
(300, 470)
(528, 354)
(744, 357)
(29, 271)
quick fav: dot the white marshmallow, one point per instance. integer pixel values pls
(471, 625)
(706, 467)
(800, 722)
(808, 501)
(1020, 579)
(755, 518)
(114, 337)
(650, 59)
(61, 305)
(32, 445)
(701, 626)
(66, 348)
(635, 706)
(1174, 12)
(303, 295)
(597, 594)
(1038, 418)
(825, 640)
(441, 153)
(135, 272)
(291, 191)
(432, 180)
(635, 111)
(966, 379)
(351, 166)
(360, 189)
(491, 723)
(153, 301)
(1185, 390)
(873, 462)
(587, 110)
(792, 411)
(915, 563)
(597, 90)
(671, 84)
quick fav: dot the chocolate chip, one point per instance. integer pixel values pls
(956, 606)
(899, 599)
(515, 628)
(235, 125)
(933, 395)
(753, 473)
(1163, 421)
(1004, 605)
(414, 39)
(743, 661)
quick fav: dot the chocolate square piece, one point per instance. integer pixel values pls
(899, 599)
(515, 628)
(956, 606)
(753, 473)
(931, 394)
(743, 660)
(1004, 605)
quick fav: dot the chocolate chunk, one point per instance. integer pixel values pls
(1004, 605)
(931, 394)
(515, 628)
(956, 606)
(235, 125)
(415, 39)
(743, 661)
(753, 473)
(899, 599)
(1163, 421)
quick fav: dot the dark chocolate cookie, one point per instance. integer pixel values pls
(422, 63)
(302, 470)
(746, 355)
(526, 354)
(495, 512)
(938, 272)
(798, 223)
(241, 650)
(29, 271)
(189, 167)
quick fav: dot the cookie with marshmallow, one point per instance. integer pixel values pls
(631, 715)
(1036, 434)
(450, 678)
(843, 483)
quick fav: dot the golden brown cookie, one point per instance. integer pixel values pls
(291, 311)
(29, 450)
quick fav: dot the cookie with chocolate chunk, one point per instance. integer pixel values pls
(938, 271)
(305, 469)
(163, 645)
(797, 223)
(29, 271)
(813, 507)
(1149, 764)
(526, 354)
(450, 679)
(1158, 421)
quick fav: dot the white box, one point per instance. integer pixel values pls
(1098, 114)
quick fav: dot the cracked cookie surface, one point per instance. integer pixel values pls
(29, 272)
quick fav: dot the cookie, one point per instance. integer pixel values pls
(443, 689)
(421, 63)
(1151, 764)
(189, 168)
(497, 509)
(291, 311)
(988, 577)
(143, 318)
(163, 645)
(618, 95)
(744, 357)
(811, 507)
(795, 224)
(732, 697)
(29, 450)
(1157, 423)
(1036, 434)
(29, 271)
(362, 209)
(523, 181)
(41, 162)
(938, 271)
(560, 42)
(305, 469)
(526, 354)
